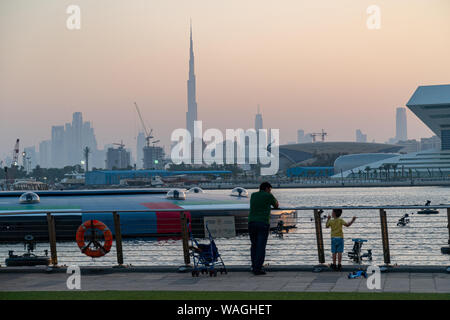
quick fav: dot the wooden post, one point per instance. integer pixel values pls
(118, 234)
(52, 238)
(185, 237)
(319, 236)
(385, 237)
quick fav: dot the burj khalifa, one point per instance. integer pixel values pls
(191, 114)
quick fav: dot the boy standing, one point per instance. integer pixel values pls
(337, 236)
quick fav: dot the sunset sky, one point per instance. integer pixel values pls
(310, 64)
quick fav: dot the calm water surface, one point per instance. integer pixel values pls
(417, 243)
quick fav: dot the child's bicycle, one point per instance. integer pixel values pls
(356, 254)
(357, 274)
(357, 257)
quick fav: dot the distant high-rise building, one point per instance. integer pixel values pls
(117, 158)
(45, 148)
(401, 128)
(409, 146)
(68, 142)
(258, 120)
(57, 144)
(253, 149)
(88, 137)
(98, 159)
(76, 154)
(153, 157)
(302, 137)
(140, 144)
(430, 143)
(360, 137)
(191, 114)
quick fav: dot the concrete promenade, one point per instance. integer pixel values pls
(235, 280)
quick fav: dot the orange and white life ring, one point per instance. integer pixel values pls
(98, 250)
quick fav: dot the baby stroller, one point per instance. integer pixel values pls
(206, 257)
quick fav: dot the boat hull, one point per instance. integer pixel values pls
(141, 214)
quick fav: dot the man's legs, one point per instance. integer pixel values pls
(252, 231)
(261, 242)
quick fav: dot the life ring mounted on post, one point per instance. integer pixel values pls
(94, 248)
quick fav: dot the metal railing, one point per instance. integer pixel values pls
(418, 243)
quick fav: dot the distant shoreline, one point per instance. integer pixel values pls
(106, 189)
(331, 185)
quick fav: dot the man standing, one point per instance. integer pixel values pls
(259, 224)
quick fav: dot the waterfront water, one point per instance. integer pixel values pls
(418, 243)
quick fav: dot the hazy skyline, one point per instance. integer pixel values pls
(309, 64)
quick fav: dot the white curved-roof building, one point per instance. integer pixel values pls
(431, 104)
(351, 161)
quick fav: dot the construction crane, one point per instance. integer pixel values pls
(15, 161)
(148, 134)
(321, 134)
(121, 144)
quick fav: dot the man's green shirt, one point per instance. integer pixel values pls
(260, 203)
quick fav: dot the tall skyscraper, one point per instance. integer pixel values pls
(253, 149)
(258, 120)
(300, 136)
(67, 144)
(57, 143)
(45, 148)
(117, 158)
(140, 144)
(88, 136)
(401, 128)
(77, 126)
(153, 157)
(360, 137)
(191, 114)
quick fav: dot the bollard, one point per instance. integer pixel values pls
(118, 234)
(319, 236)
(52, 238)
(185, 237)
(385, 237)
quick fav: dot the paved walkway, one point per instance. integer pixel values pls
(233, 281)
